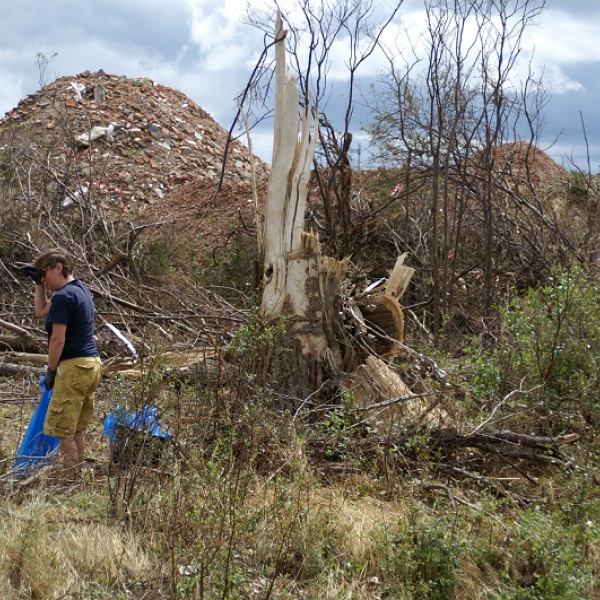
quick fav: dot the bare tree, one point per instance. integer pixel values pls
(448, 108)
(313, 28)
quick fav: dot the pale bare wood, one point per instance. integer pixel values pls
(569, 438)
(182, 362)
(399, 278)
(290, 253)
(385, 319)
(15, 329)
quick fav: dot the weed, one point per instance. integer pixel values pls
(420, 556)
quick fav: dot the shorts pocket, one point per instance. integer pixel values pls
(57, 407)
(59, 420)
(83, 377)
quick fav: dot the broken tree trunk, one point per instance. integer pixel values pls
(297, 280)
(292, 269)
(290, 254)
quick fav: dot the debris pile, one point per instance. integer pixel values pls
(135, 143)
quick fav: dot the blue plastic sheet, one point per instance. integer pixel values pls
(37, 449)
(144, 420)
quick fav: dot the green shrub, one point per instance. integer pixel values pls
(421, 557)
(232, 269)
(550, 349)
(547, 561)
(157, 260)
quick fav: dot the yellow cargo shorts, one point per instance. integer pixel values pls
(72, 403)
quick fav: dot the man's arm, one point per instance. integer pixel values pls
(41, 302)
(56, 345)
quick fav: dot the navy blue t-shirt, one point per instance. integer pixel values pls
(72, 306)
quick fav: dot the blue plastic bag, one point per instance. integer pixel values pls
(135, 438)
(144, 420)
(37, 448)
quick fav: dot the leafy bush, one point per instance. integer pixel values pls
(550, 349)
(420, 557)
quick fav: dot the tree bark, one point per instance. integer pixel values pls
(291, 263)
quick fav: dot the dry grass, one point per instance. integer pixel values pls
(52, 547)
(240, 508)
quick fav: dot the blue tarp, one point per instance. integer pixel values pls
(36, 449)
(144, 420)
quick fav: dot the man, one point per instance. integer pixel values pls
(74, 367)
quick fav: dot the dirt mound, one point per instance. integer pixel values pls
(138, 150)
(523, 162)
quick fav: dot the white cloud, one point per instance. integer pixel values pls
(562, 41)
(220, 35)
(565, 39)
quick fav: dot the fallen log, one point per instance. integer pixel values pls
(496, 441)
(12, 369)
(25, 357)
(436, 448)
(15, 329)
(531, 447)
(22, 344)
(379, 390)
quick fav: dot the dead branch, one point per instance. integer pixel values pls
(123, 257)
(15, 329)
(505, 445)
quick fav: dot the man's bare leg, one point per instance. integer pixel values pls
(70, 457)
(80, 443)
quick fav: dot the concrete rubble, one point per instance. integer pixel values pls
(134, 141)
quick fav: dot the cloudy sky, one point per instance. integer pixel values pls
(205, 49)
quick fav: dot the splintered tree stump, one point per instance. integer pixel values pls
(385, 320)
(297, 279)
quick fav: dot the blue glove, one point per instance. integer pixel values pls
(48, 381)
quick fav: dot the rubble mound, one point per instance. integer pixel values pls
(141, 150)
(524, 162)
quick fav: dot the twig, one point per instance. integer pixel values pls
(504, 401)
